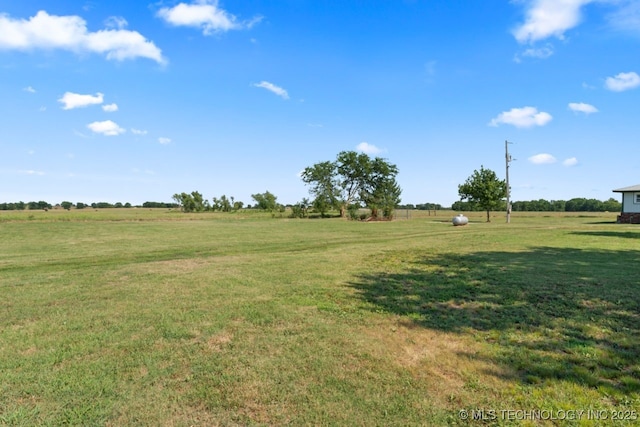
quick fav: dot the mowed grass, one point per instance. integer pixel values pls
(153, 317)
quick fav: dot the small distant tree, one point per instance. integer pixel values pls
(81, 205)
(300, 209)
(484, 189)
(66, 205)
(265, 201)
(193, 202)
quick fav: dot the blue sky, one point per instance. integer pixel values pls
(135, 101)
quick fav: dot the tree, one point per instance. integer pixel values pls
(387, 196)
(379, 189)
(300, 209)
(66, 205)
(325, 186)
(193, 202)
(484, 189)
(265, 201)
(353, 177)
(352, 168)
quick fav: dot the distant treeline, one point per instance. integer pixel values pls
(423, 206)
(574, 205)
(541, 205)
(41, 205)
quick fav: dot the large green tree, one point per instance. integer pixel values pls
(324, 185)
(352, 178)
(379, 190)
(484, 189)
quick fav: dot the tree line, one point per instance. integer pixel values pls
(351, 182)
(577, 204)
(42, 205)
(195, 202)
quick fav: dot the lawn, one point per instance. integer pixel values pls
(154, 317)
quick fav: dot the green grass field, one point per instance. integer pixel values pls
(154, 317)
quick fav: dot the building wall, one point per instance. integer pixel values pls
(630, 202)
(629, 218)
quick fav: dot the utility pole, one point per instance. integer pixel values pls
(508, 160)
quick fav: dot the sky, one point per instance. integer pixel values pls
(134, 101)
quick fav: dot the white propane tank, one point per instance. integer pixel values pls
(460, 220)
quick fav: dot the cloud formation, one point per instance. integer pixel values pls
(537, 53)
(107, 128)
(44, 31)
(622, 82)
(273, 88)
(367, 148)
(542, 159)
(32, 172)
(572, 161)
(581, 107)
(29, 89)
(525, 117)
(206, 15)
(164, 141)
(138, 132)
(110, 108)
(75, 100)
(549, 18)
(627, 17)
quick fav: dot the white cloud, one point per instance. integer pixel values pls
(542, 159)
(581, 107)
(75, 100)
(273, 88)
(627, 18)
(206, 15)
(367, 148)
(29, 89)
(110, 108)
(525, 117)
(572, 161)
(32, 172)
(539, 53)
(164, 141)
(116, 22)
(44, 31)
(547, 18)
(138, 132)
(106, 127)
(623, 81)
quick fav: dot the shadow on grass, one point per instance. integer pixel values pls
(547, 313)
(631, 234)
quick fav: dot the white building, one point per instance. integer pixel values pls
(630, 204)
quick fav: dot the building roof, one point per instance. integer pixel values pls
(628, 189)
